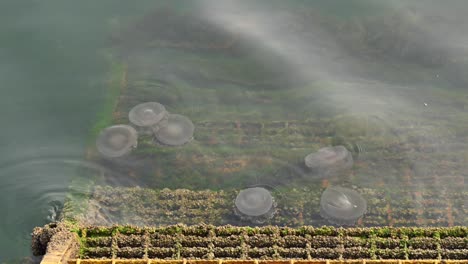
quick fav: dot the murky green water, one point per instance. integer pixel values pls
(53, 71)
(385, 80)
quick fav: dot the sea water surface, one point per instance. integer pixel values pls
(53, 79)
(54, 66)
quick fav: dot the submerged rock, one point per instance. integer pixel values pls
(116, 141)
(178, 131)
(342, 206)
(329, 160)
(255, 205)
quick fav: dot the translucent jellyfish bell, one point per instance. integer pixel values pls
(329, 160)
(342, 206)
(147, 114)
(177, 131)
(255, 204)
(116, 141)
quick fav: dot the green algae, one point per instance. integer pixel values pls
(115, 83)
(295, 207)
(76, 202)
(273, 242)
(212, 87)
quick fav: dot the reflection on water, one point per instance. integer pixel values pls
(266, 85)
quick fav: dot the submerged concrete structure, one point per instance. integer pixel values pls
(414, 214)
(268, 244)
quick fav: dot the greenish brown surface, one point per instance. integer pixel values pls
(255, 261)
(253, 116)
(271, 242)
(255, 122)
(295, 207)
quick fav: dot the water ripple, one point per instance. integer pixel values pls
(32, 194)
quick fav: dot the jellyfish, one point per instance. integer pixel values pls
(342, 206)
(329, 160)
(147, 114)
(255, 204)
(148, 117)
(176, 132)
(116, 141)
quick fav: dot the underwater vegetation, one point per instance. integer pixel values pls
(399, 34)
(342, 206)
(403, 38)
(256, 205)
(169, 28)
(116, 141)
(293, 207)
(242, 112)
